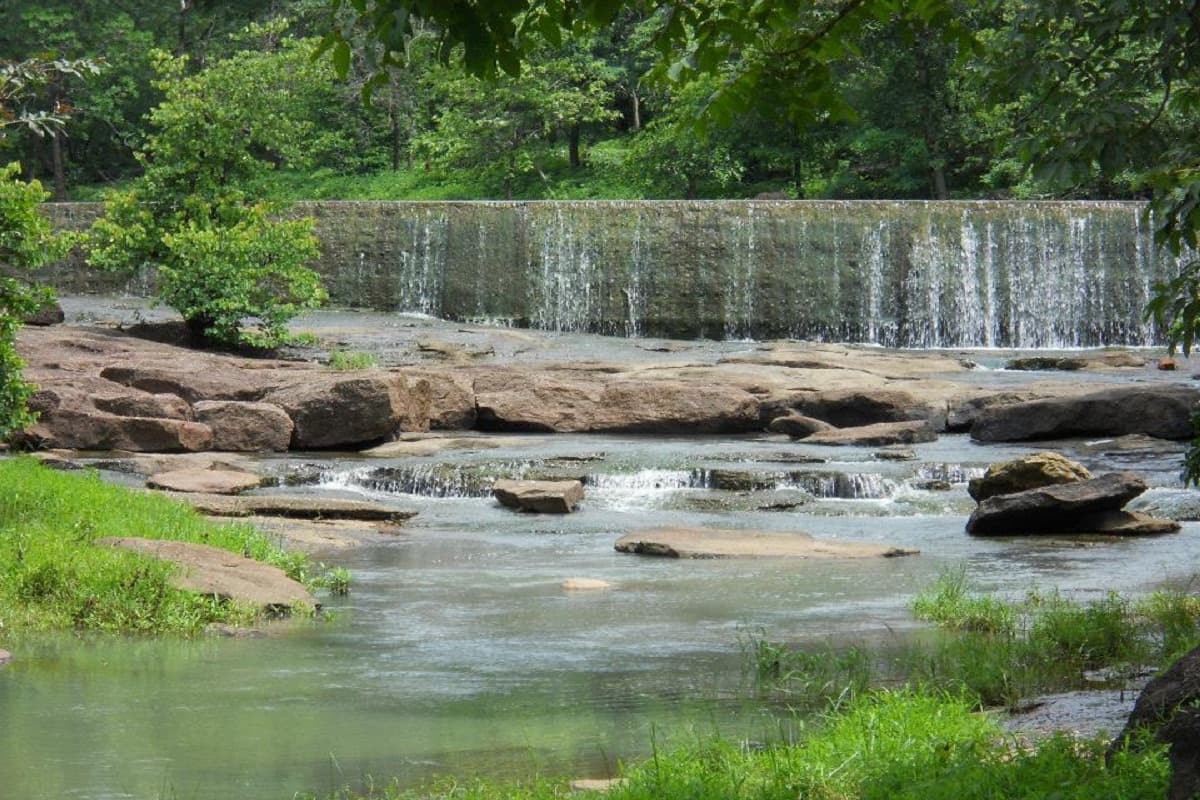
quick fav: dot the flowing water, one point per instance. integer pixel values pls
(459, 653)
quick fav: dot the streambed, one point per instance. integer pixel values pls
(458, 652)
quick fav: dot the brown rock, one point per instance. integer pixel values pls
(204, 481)
(585, 585)
(77, 429)
(338, 411)
(1028, 472)
(212, 379)
(798, 426)
(544, 497)
(211, 571)
(245, 427)
(1166, 364)
(878, 435)
(164, 406)
(684, 542)
(853, 408)
(49, 314)
(1063, 508)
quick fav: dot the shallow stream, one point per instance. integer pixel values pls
(458, 652)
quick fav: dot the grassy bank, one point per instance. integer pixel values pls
(52, 577)
(884, 745)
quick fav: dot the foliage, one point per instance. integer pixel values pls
(26, 242)
(222, 260)
(53, 577)
(23, 81)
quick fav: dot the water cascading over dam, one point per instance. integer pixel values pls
(896, 273)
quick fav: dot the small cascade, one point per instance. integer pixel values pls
(425, 480)
(842, 485)
(650, 479)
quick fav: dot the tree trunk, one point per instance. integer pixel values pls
(60, 172)
(394, 115)
(573, 156)
(637, 109)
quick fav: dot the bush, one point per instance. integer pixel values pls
(26, 242)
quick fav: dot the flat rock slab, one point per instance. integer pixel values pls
(1062, 508)
(682, 542)
(585, 585)
(293, 506)
(877, 435)
(212, 571)
(543, 497)
(322, 535)
(204, 481)
(432, 445)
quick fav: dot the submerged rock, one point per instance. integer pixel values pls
(686, 542)
(204, 481)
(1078, 507)
(585, 585)
(212, 571)
(543, 497)
(1028, 472)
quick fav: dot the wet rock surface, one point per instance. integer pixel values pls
(685, 542)
(204, 481)
(877, 435)
(541, 497)
(1029, 472)
(1160, 411)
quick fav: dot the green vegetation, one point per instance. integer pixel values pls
(352, 359)
(885, 745)
(222, 261)
(53, 578)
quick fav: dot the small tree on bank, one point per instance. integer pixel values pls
(235, 274)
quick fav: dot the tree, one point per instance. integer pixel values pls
(235, 274)
(26, 243)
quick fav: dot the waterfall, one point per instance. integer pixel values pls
(894, 273)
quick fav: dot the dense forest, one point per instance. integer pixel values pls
(914, 112)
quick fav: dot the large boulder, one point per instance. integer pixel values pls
(340, 411)
(543, 497)
(214, 379)
(1078, 507)
(245, 427)
(685, 542)
(877, 435)
(81, 429)
(538, 401)
(1167, 707)
(143, 404)
(1162, 411)
(212, 571)
(1028, 472)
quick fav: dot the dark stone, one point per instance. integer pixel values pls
(1062, 508)
(1029, 472)
(49, 314)
(797, 425)
(879, 435)
(1162, 411)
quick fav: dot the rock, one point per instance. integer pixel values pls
(49, 314)
(736, 480)
(1065, 364)
(337, 411)
(5, 657)
(80, 430)
(595, 784)
(545, 497)
(934, 485)
(1161, 411)
(1166, 706)
(894, 455)
(216, 380)
(685, 542)
(516, 400)
(584, 585)
(1028, 472)
(211, 571)
(1062, 508)
(451, 398)
(877, 435)
(323, 535)
(853, 408)
(1125, 523)
(1166, 364)
(431, 444)
(306, 507)
(204, 481)
(245, 427)
(164, 406)
(797, 425)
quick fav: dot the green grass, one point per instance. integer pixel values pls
(52, 576)
(351, 359)
(887, 745)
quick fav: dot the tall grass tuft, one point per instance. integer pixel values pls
(53, 576)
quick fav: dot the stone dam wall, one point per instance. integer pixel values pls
(896, 273)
